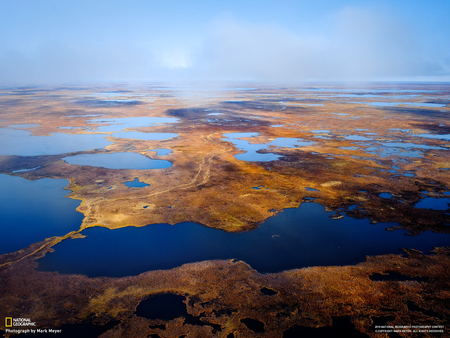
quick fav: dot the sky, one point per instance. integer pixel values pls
(85, 41)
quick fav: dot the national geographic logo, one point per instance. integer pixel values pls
(8, 322)
(20, 322)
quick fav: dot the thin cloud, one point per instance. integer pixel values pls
(359, 45)
(351, 44)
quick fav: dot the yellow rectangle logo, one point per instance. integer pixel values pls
(8, 321)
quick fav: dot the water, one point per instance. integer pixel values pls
(136, 135)
(426, 104)
(251, 149)
(120, 124)
(380, 104)
(23, 125)
(22, 143)
(136, 183)
(411, 104)
(320, 131)
(25, 170)
(162, 151)
(295, 238)
(407, 145)
(395, 152)
(349, 148)
(34, 210)
(357, 138)
(118, 161)
(445, 137)
(286, 142)
(368, 90)
(251, 153)
(434, 203)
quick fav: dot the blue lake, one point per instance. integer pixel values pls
(295, 238)
(357, 138)
(34, 210)
(434, 203)
(251, 149)
(136, 135)
(445, 137)
(136, 183)
(23, 125)
(118, 161)
(22, 143)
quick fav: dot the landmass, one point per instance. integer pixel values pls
(345, 151)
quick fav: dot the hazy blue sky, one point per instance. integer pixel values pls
(55, 41)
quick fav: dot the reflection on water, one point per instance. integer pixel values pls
(23, 125)
(407, 145)
(25, 170)
(120, 124)
(295, 238)
(118, 161)
(251, 149)
(357, 138)
(251, 153)
(136, 135)
(34, 210)
(411, 104)
(396, 152)
(399, 149)
(445, 137)
(368, 90)
(22, 143)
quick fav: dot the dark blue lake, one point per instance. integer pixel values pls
(434, 203)
(34, 210)
(295, 238)
(118, 161)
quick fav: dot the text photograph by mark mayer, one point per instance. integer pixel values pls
(224, 168)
